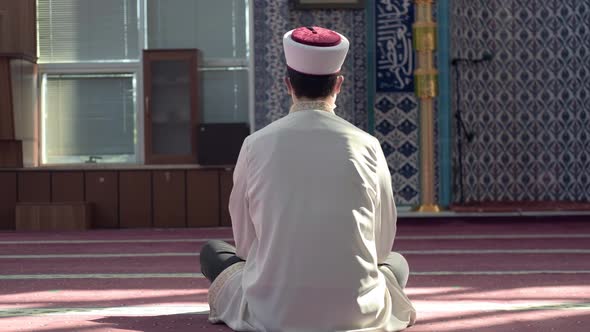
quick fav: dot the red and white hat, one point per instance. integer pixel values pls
(315, 50)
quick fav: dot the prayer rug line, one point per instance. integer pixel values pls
(400, 237)
(203, 309)
(404, 252)
(200, 276)
(108, 311)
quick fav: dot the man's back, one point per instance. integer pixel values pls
(313, 215)
(312, 192)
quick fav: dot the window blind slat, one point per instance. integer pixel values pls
(218, 28)
(89, 116)
(87, 30)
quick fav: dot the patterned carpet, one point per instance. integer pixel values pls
(518, 276)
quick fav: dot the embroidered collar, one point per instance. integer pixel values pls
(312, 105)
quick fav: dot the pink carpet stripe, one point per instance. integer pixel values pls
(114, 234)
(434, 227)
(190, 264)
(457, 303)
(423, 227)
(400, 245)
(98, 248)
(499, 262)
(102, 265)
(572, 243)
(117, 292)
(176, 323)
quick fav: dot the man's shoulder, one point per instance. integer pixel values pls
(333, 122)
(269, 129)
(353, 131)
(357, 131)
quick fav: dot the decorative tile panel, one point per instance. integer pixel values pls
(394, 50)
(396, 107)
(397, 130)
(396, 114)
(529, 107)
(272, 18)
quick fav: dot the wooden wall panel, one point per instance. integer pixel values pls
(18, 28)
(8, 197)
(6, 115)
(34, 187)
(202, 198)
(126, 199)
(101, 191)
(169, 189)
(225, 187)
(135, 201)
(53, 216)
(28, 27)
(67, 187)
(11, 154)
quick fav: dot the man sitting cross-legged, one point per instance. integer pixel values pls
(313, 215)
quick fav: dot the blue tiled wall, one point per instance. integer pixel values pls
(530, 106)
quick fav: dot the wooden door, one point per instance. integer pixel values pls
(101, 191)
(203, 198)
(169, 198)
(171, 105)
(135, 201)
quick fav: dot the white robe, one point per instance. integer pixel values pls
(313, 214)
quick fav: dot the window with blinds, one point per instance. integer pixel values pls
(219, 29)
(88, 116)
(87, 30)
(90, 62)
(225, 96)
